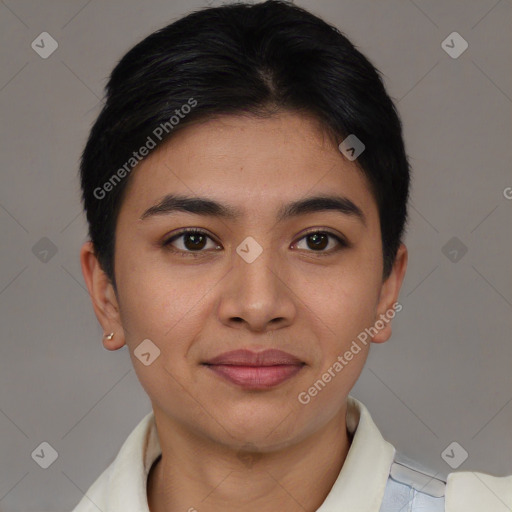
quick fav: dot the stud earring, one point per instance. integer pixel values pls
(109, 336)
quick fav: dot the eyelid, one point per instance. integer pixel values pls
(327, 231)
(181, 231)
(186, 231)
(342, 241)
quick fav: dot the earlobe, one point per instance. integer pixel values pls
(103, 297)
(388, 304)
(110, 344)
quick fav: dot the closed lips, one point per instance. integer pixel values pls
(255, 371)
(243, 357)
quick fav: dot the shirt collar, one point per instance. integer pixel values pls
(359, 487)
(362, 480)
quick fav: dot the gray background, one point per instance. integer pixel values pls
(445, 374)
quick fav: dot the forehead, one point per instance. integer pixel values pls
(250, 163)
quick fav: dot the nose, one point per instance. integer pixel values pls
(256, 296)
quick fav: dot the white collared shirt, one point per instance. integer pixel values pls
(371, 479)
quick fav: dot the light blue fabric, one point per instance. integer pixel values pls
(399, 497)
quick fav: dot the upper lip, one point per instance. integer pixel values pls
(243, 357)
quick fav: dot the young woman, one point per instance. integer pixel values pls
(246, 191)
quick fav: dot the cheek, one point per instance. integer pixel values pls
(161, 302)
(343, 307)
(345, 301)
(164, 308)
(152, 293)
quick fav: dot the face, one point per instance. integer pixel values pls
(258, 276)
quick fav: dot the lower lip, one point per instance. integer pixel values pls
(256, 377)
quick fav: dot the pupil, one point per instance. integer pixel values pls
(196, 241)
(319, 241)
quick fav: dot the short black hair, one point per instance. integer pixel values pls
(249, 59)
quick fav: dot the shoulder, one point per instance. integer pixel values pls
(469, 491)
(96, 495)
(412, 487)
(121, 486)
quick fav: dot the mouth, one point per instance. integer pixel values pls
(255, 370)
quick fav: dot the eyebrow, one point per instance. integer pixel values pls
(203, 206)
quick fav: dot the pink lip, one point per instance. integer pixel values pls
(252, 370)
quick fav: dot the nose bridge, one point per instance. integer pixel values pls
(255, 270)
(256, 292)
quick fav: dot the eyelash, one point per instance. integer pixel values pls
(196, 231)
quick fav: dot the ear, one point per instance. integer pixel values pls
(104, 300)
(389, 295)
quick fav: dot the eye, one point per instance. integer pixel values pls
(190, 241)
(193, 241)
(319, 240)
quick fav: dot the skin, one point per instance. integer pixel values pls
(293, 297)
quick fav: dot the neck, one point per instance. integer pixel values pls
(194, 474)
